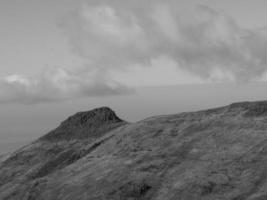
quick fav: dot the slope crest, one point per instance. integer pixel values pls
(90, 124)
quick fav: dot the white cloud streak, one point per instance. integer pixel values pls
(56, 84)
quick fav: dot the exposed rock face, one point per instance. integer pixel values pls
(85, 125)
(214, 154)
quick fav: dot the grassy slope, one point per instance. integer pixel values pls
(214, 154)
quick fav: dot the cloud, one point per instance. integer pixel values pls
(120, 34)
(163, 73)
(56, 84)
(122, 42)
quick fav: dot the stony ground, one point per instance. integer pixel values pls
(217, 154)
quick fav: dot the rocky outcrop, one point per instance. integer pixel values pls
(84, 125)
(213, 154)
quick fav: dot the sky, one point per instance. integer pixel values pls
(142, 58)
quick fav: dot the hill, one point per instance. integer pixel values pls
(213, 154)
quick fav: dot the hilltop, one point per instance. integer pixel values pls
(219, 153)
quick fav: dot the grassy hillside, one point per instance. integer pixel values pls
(214, 154)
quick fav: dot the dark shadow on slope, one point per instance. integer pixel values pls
(64, 159)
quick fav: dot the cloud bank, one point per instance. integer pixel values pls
(116, 36)
(56, 84)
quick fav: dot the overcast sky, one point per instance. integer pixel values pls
(61, 56)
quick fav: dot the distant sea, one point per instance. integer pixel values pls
(11, 146)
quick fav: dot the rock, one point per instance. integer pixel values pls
(85, 124)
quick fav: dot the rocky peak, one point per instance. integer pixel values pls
(98, 115)
(93, 123)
